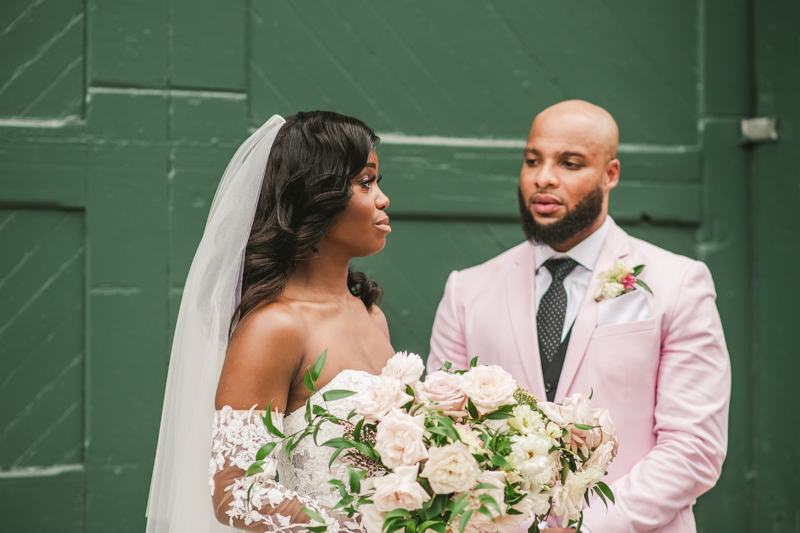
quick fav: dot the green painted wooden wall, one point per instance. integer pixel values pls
(118, 118)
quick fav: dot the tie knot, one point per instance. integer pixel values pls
(560, 267)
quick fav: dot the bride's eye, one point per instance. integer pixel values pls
(367, 182)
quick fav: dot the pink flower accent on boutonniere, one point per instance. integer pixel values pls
(618, 280)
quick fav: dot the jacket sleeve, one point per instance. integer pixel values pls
(258, 503)
(447, 339)
(691, 418)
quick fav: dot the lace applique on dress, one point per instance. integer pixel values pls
(237, 437)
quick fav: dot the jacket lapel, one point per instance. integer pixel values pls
(615, 247)
(521, 298)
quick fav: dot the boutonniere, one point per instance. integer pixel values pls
(618, 280)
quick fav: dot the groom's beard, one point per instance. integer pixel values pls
(575, 221)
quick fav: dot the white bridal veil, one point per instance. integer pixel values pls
(180, 500)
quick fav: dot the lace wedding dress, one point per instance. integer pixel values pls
(275, 505)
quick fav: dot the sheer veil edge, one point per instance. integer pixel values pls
(180, 499)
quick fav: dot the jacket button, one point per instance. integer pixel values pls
(548, 387)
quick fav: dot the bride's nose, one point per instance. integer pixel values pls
(382, 201)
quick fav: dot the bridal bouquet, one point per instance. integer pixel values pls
(465, 450)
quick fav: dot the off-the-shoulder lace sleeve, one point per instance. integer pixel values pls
(237, 437)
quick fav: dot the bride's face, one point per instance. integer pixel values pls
(361, 229)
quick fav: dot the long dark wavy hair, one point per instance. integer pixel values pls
(306, 183)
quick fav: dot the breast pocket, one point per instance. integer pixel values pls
(622, 329)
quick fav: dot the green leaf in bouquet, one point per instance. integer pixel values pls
(473, 362)
(357, 430)
(337, 395)
(564, 469)
(438, 527)
(458, 505)
(351, 414)
(534, 527)
(340, 487)
(317, 529)
(606, 490)
(584, 427)
(580, 522)
(355, 478)
(339, 442)
(397, 513)
(485, 486)
(428, 524)
(334, 456)
(643, 285)
(591, 392)
(485, 511)
(499, 460)
(318, 410)
(586, 498)
(498, 415)
(308, 410)
(473, 411)
(485, 499)
(464, 519)
(638, 270)
(363, 500)
(410, 391)
(267, 418)
(600, 495)
(448, 365)
(437, 505)
(319, 364)
(309, 381)
(265, 450)
(254, 469)
(513, 511)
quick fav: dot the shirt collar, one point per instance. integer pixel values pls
(585, 252)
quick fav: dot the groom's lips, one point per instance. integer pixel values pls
(545, 204)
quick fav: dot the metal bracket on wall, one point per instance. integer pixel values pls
(759, 130)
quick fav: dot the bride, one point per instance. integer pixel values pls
(270, 288)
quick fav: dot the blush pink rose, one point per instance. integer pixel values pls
(399, 439)
(574, 410)
(381, 396)
(399, 490)
(407, 367)
(442, 391)
(371, 518)
(489, 387)
(608, 429)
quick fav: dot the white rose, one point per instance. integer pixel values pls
(619, 270)
(510, 522)
(381, 396)
(530, 454)
(407, 367)
(567, 500)
(399, 490)
(399, 439)
(442, 391)
(371, 518)
(540, 502)
(526, 420)
(597, 465)
(609, 290)
(451, 468)
(489, 387)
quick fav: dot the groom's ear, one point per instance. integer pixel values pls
(611, 175)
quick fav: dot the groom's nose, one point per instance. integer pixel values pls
(547, 177)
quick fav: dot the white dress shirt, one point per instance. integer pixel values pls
(576, 283)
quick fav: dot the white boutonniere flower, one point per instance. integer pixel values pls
(618, 280)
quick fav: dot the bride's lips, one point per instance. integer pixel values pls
(383, 225)
(545, 204)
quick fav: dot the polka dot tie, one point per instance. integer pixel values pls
(553, 307)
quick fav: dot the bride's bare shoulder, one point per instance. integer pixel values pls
(263, 356)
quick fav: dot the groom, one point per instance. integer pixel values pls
(657, 361)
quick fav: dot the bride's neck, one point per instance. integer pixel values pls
(321, 278)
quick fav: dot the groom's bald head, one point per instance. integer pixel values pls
(581, 122)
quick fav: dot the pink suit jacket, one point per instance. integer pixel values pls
(665, 379)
